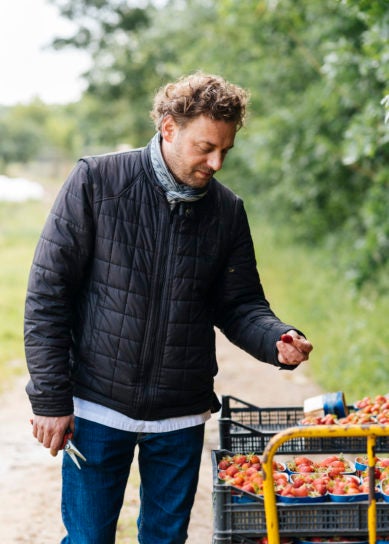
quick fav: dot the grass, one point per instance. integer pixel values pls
(347, 328)
(20, 225)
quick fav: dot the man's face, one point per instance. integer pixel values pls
(196, 151)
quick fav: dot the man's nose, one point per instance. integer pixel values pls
(215, 161)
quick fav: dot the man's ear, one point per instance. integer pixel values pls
(168, 128)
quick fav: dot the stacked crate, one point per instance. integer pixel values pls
(240, 518)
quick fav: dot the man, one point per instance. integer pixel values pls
(144, 252)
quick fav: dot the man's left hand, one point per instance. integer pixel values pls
(294, 351)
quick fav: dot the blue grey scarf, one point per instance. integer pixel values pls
(175, 192)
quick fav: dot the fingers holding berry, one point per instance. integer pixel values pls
(293, 349)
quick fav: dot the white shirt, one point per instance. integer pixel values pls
(111, 418)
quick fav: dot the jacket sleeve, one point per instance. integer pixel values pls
(242, 311)
(58, 270)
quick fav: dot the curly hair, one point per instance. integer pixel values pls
(200, 94)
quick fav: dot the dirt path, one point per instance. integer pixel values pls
(30, 477)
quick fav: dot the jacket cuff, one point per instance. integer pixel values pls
(52, 407)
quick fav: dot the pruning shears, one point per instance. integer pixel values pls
(69, 447)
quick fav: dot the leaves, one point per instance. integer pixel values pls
(315, 149)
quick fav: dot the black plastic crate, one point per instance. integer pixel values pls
(266, 419)
(239, 539)
(235, 519)
(244, 427)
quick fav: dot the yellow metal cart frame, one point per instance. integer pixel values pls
(370, 432)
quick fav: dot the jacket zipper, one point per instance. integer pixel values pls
(156, 319)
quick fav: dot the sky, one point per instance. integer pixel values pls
(27, 68)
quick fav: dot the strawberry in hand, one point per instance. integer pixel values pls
(293, 348)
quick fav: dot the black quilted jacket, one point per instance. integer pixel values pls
(124, 294)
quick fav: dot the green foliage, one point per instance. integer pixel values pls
(316, 147)
(320, 139)
(350, 338)
(123, 76)
(28, 131)
(20, 137)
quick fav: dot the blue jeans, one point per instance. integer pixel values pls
(93, 496)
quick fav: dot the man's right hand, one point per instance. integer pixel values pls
(50, 431)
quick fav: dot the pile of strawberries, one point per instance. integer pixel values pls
(245, 472)
(367, 410)
(341, 539)
(331, 465)
(378, 408)
(301, 476)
